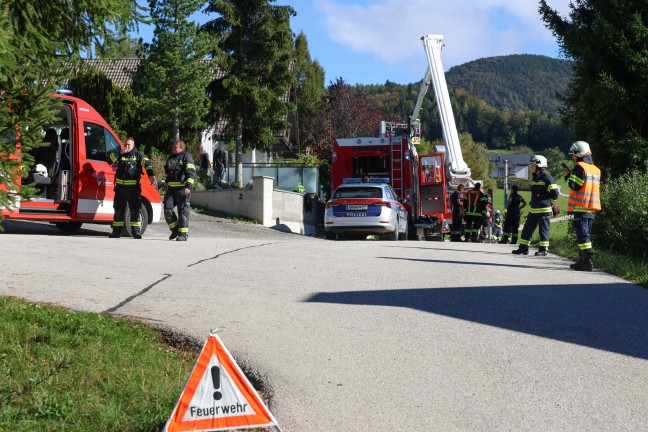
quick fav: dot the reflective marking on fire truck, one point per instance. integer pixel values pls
(94, 206)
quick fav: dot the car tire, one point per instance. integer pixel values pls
(393, 236)
(330, 235)
(143, 219)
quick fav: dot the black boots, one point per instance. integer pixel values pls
(182, 237)
(116, 232)
(174, 233)
(586, 263)
(542, 251)
(521, 250)
(137, 232)
(504, 240)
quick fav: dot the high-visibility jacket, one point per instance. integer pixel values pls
(544, 192)
(129, 167)
(475, 202)
(584, 185)
(180, 171)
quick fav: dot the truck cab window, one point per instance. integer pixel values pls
(99, 142)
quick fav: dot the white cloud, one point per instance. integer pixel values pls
(390, 29)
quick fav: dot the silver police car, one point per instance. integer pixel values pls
(360, 207)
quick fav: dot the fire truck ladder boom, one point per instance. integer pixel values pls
(454, 157)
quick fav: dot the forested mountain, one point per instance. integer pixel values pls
(524, 81)
(503, 102)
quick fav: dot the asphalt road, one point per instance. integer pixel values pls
(369, 335)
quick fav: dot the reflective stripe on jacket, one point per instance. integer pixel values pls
(544, 192)
(585, 192)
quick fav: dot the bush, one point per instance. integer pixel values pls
(622, 224)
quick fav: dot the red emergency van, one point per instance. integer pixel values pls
(75, 179)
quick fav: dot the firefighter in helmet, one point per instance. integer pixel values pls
(584, 201)
(544, 193)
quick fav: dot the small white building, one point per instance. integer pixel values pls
(518, 165)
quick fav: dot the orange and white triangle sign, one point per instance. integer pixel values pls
(218, 396)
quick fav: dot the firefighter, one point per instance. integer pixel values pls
(128, 190)
(475, 201)
(544, 193)
(497, 225)
(180, 176)
(512, 216)
(584, 201)
(456, 201)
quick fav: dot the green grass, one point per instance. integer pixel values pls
(563, 242)
(75, 371)
(65, 370)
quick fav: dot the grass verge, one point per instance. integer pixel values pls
(66, 370)
(563, 243)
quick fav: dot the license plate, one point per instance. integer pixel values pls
(356, 207)
(356, 214)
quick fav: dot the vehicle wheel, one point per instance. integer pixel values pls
(393, 236)
(405, 235)
(143, 218)
(69, 227)
(330, 235)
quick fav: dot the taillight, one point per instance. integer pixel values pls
(331, 204)
(383, 203)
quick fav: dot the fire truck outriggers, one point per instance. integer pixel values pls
(423, 182)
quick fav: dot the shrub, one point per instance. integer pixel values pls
(622, 224)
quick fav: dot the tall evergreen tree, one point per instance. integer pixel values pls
(36, 54)
(254, 44)
(172, 81)
(309, 85)
(606, 101)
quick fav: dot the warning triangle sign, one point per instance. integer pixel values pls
(218, 396)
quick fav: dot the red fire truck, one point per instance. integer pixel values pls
(76, 181)
(423, 182)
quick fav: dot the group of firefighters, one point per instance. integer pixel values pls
(180, 172)
(473, 208)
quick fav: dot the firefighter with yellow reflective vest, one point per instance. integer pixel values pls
(128, 190)
(544, 193)
(584, 201)
(180, 173)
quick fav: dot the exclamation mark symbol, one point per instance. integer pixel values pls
(215, 372)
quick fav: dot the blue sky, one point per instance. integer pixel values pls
(372, 41)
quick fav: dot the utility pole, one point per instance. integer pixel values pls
(505, 182)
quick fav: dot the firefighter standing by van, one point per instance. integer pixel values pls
(475, 207)
(180, 173)
(128, 190)
(584, 201)
(544, 193)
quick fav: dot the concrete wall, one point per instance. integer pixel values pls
(282, 210)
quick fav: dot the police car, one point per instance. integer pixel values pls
(360, 207)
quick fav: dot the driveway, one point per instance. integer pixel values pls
(369, 335)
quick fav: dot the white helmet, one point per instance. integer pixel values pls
(497, 212)
(40, 169)
(540, 161)
(580, 149)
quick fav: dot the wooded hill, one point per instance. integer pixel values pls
(503, 102)
(526, 82)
